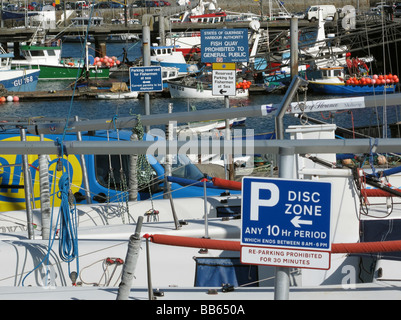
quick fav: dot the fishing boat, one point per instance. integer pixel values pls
(200, 87)
(319, 53)
(168, 56)
(186, 42)
(19, 79)
(48, 58)
(117, 95)
(189, 42)
(198, 90)
(332, 80)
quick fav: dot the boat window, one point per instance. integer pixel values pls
(183, 168)
(214, 272)
(228, 211)
(116, 177)
(112, 171)
(37, 53)
(51, 53)
(337, 73)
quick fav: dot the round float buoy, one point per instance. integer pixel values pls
(3, 99)
(347, 162)
(9, 98)
(16, 99)
(381, 160)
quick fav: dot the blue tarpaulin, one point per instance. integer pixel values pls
(214, 272)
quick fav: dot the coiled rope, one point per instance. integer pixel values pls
(68, 232)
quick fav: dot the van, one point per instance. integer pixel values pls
(328, 11)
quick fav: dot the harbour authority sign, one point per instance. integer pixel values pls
(224, 45)
(286, 222)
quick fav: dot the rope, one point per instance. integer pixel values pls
(68, 234)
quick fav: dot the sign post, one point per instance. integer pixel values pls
(286, 223)
(223, 48)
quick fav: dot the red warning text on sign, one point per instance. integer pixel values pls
(285, 257)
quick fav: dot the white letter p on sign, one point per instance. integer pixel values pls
(255, 204)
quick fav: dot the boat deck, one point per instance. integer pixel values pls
(383, 290)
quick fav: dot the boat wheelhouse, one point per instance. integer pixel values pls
(47, 58)
(16, 80)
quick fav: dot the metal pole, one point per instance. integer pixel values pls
(27, 187)
(45, 206)
(205, 207)
(162, 32)
(228, 163)
(130, 263)
(84, 170)
(146, 62)
(294, 46)
(168, 161)
(289, 95)
(150, 290)
(133, 172)
(286, 171)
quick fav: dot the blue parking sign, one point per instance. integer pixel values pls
(286, 213)
(146, 79)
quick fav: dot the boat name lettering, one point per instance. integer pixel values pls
(337, 104)
(21, 81)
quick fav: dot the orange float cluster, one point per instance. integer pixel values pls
(9, 99)
(243, 85)
(106, 61)
(374, 80)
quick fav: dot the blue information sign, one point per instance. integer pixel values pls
(146, 79)
(224, 45)
(286, 213)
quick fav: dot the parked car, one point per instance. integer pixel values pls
(108, 5)
(30, 8)
(137, 4)
(11, 7)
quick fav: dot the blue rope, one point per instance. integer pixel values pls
(68, 243)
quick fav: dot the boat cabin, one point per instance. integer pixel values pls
(41, 54)
(162, 50)
(209, 18)
(331, 72)
(84, 21)
(5, 60)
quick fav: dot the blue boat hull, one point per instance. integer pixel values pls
(102, 184)
(343, 89)
(19, 80)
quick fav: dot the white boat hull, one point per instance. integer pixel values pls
(117, 95)
(199, 92)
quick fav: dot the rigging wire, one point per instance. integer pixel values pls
(67, 217)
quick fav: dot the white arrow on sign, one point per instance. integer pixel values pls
(296, 221)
